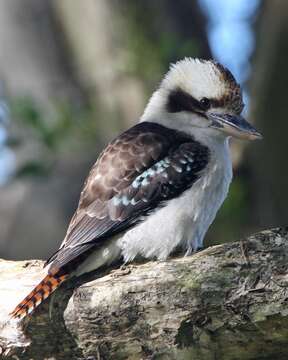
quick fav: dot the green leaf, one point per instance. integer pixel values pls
(33, 168)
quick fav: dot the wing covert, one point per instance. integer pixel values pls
(138, 172)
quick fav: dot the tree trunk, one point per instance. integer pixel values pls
(226, 302)
(34, 65)
(268, 86)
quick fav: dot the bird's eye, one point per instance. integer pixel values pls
(205, 103)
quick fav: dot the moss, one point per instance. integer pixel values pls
(188, 279)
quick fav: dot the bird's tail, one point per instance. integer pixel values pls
(41, 292)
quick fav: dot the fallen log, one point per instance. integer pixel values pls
(226, 302)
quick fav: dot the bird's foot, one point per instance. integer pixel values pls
(192, 251)
(123, 270)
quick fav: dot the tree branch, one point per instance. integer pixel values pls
(226, 302)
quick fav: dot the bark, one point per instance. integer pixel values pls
(226, 302)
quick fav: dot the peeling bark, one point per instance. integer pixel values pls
(226, 302)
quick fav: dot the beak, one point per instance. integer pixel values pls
(234, 125)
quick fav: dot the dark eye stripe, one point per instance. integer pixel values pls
(179, 100)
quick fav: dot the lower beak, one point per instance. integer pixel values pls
(234, 125)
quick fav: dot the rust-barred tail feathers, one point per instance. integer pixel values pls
(41, 292)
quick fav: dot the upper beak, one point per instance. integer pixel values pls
(234, 125)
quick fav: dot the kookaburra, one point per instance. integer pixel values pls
(158, 186)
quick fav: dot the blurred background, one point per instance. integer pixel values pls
(73, 74)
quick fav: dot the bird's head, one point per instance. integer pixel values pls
(203, 96)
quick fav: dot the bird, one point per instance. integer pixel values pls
(155, 188)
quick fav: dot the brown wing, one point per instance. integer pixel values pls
(136, 173)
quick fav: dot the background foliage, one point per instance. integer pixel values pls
(74, 74)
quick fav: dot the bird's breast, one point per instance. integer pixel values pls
(184, 220)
